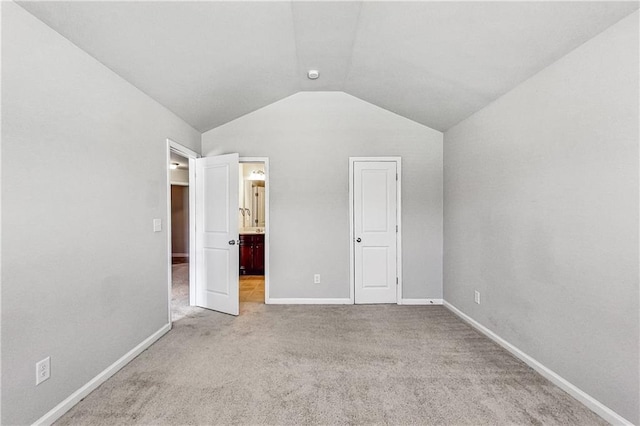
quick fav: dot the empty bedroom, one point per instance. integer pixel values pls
(320, 212)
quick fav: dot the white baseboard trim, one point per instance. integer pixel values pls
(420, 302)
(85, 390)
(179, 254)
(308, 301)
(590, 402)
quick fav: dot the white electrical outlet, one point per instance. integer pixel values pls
(316, 279)
(43, 370)
(477, 297)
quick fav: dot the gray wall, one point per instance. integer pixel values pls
(541, 216)
(180, 176)
(84, 278)
(309, 138)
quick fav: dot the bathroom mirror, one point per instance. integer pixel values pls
(251, 200)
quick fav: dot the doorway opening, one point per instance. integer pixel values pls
(252, 230)
(180, 230)
(216, 223)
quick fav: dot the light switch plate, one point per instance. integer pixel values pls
(157, 225)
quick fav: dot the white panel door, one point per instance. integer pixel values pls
(217, 233)
(375, 243)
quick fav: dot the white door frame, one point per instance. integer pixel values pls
(352, 282)
(267, 220)
(173, 146)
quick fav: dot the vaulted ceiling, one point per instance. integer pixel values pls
(433, 62)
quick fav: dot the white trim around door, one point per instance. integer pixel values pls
(173, 146)
(267, 220)
(352, 283)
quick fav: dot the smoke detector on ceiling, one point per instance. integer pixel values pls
(313, 74)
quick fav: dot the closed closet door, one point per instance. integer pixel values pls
(375, 242)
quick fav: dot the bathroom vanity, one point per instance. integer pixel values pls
(252, 253)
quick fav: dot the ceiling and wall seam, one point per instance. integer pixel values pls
(212, 62)
(493, 101)
(20, 4)
(320, 93)
(247, 113)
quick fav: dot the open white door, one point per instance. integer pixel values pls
(375, 243)
(217, 233)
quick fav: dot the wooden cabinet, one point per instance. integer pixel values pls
(246, 255)
(252, 254)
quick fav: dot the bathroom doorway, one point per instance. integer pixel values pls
(180, 215)
(253, 217)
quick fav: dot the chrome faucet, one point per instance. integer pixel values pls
(245, 212)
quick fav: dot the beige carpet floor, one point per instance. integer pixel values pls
(287, 364)
(180, 293)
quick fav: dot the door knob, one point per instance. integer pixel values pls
(232, 242)
(358, 240)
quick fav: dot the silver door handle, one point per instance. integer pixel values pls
(232, 242)
(358, 240)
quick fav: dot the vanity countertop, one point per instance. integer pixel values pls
(251, 231)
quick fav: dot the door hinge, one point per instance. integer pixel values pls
(396, 280)
(396, 176)
(396, 228)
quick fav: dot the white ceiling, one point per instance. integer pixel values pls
(183, 163)
(433, 62)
